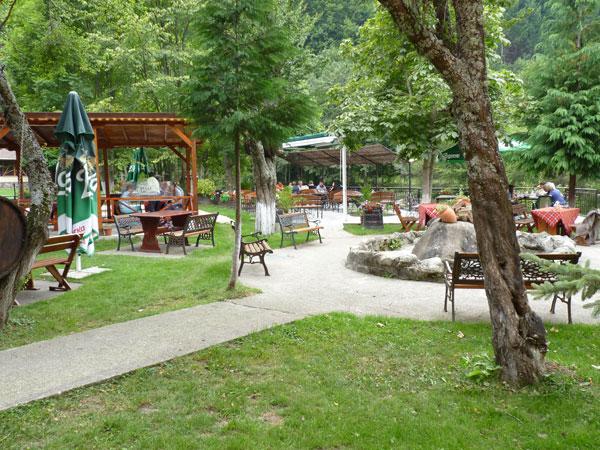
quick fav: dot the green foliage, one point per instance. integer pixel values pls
(572, 279)
(564, 83)
(206, 187)
(480, 367)
(285, 200)
(366, 193)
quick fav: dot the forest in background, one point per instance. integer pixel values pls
(137, 56)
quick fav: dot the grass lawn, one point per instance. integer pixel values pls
(332, 381)
(7, 192)
(359, 230)
(134, 287)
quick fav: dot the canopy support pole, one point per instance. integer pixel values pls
(194, 184)
(344, 184)
(106, 180)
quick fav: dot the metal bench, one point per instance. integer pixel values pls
(68, 242)
(127, 227)
(297, 222)
(201, 225)
(256, 248)
(467, 273)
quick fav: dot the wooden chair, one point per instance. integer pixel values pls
(201, 225)
(127, 227)
(522, 217)
(68, 242)
(407, 222)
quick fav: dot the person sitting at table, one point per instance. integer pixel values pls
(539, 190)
(295, 187)
(302, 186)
(174, 190)
(554, 194)
(126, 207)
(321, 188)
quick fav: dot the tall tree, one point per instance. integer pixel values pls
(451, 36)
(41, 186)
(238, 88)
(564, 83)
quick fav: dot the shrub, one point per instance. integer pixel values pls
(285, 201)
(206, 187)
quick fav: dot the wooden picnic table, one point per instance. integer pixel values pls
(549, 219)
(151, 222)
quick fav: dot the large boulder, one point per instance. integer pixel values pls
(545, 243)
(442, 240)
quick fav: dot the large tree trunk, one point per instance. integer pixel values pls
(42, 191)
(572, 187)
(519, 337)
(427, 175)
(265, 178)
(238, 216)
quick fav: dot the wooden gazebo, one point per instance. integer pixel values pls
(118, 130)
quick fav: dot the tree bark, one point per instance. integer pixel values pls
(238, 216)
(42, 191)
(572, 187)
(519, 337)
(265, 178)
(427, 177)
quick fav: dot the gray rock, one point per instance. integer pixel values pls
(543, 242)
(432, 266)
(442, 240)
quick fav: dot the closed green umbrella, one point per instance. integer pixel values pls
(139, 165)
(76, 175)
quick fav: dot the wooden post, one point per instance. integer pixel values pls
(188, 184)
(106, 180)
(194, 184)
(98, 184)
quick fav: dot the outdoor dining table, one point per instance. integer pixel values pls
(549, 219)
(151, 222)
(427, 211)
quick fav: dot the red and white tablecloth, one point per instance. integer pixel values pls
(552, 216)
(427, 211)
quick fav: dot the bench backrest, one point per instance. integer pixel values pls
(467, 268)
(128, 222)
(383, 196)
(308, 199)
(200, 222)
(62, 242)
(519, 209)
(293, 220)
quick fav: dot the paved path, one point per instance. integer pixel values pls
(307, 281)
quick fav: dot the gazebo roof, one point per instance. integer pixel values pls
(113, 130)
(371, 154)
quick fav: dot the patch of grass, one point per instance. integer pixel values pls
(358, 230)
(7, 192)
(134, 287)
(332, 381)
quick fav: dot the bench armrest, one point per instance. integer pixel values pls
(315, 221)
(255, 235)
(447, 267)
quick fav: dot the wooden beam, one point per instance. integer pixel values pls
(194, 184)
(106, 179)
(4, 131)
(188, 182)
(98, 184)
(184, 137)
(178, 153)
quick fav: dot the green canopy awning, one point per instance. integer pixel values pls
(76, 174)
(455, 153)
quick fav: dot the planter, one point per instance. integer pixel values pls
(372, 218)
(107, 231)
(448, 216)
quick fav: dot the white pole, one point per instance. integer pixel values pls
(344, 184)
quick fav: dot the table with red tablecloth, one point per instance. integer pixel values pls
(427, 211)
(548, 219)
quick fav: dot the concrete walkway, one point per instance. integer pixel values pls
(303, 282)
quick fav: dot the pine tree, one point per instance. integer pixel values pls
(564, 82)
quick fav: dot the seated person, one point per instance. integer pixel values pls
(554, 194)
(321, 188)
(175, 191)
(302, 186)
(126, 207)
(295, 188)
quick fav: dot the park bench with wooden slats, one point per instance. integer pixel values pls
(522, 217)
(257, 248)
(297, 222)
(384, 197)
(467, 273)
(127, 227)
(201, 226)
(310, 202)
(68, 242)
(407, 222)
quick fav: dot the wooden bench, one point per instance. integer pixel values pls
(297, 222)
(407, 222)
(201, 226)
(310, 202)
(522, 217)
(384, 197)
(467, 273)
(127, 227)
(256, 248)
(68, 242)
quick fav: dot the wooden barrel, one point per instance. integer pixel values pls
(13, 233)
